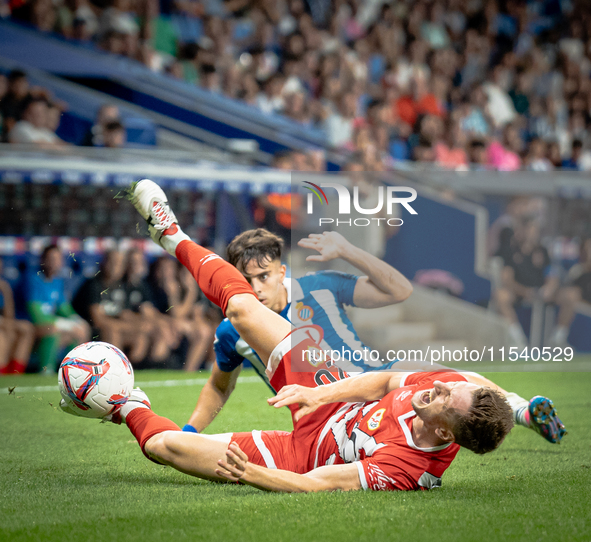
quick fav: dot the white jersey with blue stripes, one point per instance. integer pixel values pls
(318, 298)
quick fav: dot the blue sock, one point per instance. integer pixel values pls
(189, 429)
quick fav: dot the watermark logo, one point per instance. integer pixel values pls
(387, 197)
(315, 189)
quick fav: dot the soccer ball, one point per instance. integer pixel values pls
(95, 379)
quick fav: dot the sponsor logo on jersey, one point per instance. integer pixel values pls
(404, 395)
(378, 479)
(304, 312)
(376, 419)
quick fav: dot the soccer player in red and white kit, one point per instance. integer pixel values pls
(375, 431)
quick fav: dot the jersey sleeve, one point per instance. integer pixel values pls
(431, 376)
(342, 284)
(224, 345)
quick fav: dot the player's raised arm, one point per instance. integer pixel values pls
(383, 285)
(365, 387)
(212, 398)
(235, 466)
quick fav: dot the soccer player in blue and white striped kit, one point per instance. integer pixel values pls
(317, 298)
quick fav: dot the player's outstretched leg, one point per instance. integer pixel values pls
(221, 282)
(163, 442)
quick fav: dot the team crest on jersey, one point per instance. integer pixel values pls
(304, 311)
(404, 395)
(376, 419)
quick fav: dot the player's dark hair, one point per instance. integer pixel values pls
(260, 246)
(487, 423)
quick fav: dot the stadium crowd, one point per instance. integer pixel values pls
(155, 313)
(31, 115)
(497, 84)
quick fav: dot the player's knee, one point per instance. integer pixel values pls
(239, 308)
(160, 446)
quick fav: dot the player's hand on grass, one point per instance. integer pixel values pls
(307, 398)
(233, 466)
(330, 245)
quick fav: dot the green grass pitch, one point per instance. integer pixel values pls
(64, 478)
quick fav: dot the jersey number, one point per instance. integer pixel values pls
(324, 377)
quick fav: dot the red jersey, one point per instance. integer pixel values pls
(378, 437)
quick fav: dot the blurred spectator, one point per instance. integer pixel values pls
(339, 124)
(114, 135)
(519, 210)
(500, 106)
(103, 302)
(475, 120)
(505, 156)
(536, 159)
(450, 152)
(56, 322)
(270, 100)
(76, 19)
(478, 155)
(524, 277)
(139, 307)
(573, 162)
(553, 154)
(420, 101)
(175, 295)
(485, 64)
(32, 128)
(11, 104)
(210, 79)
(577, 289)
(106, 114)
(282, 160)
(16, 336)
(296, 108)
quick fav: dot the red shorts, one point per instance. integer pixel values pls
(294, 451)
(271, 449)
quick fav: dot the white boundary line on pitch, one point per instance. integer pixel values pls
(149, 384)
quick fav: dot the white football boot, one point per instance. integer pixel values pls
(151, 202)
(137, 399)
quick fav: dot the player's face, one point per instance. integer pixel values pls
(267, 282)
(431, 404)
